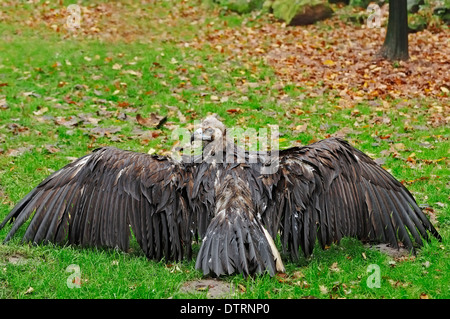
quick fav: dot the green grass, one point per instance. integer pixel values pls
(73, 76)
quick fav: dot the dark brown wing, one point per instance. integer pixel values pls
(94, 201)
(329, 190)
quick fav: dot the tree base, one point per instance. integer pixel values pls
(393, 54)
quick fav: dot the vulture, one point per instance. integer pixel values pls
(233, 202)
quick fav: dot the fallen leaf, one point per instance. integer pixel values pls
(342, 133)
(104, 131)
(153, 121)
(89, 119)
(334, 267)
(398, 283)
(301, 128)
(69, 100)
(69, 122)
(399, 146)
(234, 111)
(323, 290)
(41, 111)
(29, 291)
(52, 149)
(123, 104)
(147, 136)
(19, 151)
(298, 274)
(3, 104)
(132, 72)
(17, 128)
(33, 94)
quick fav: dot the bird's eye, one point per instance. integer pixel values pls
(210, 132)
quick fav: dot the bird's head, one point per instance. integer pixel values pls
(211, 129)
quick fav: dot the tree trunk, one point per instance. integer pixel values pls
(395, 45)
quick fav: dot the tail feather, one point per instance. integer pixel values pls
(236, 242)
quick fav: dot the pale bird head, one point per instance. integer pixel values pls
(211, 129)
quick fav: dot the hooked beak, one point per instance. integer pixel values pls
(199, 134)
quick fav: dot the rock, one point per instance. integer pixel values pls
(312, 14)
(301, 12)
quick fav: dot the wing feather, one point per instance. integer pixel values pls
(330, 190)
(94, 200)
(53, 203)
(59, 208)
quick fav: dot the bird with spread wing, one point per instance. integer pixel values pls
(227, 198)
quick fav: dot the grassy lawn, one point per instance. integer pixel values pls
(63, 94)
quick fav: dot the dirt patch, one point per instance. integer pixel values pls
(214, 288)
(17, 259)
(390, 251)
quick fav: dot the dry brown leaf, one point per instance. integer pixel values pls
(334, 267)
(68, 122)
(153, 121)
(51, 149)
